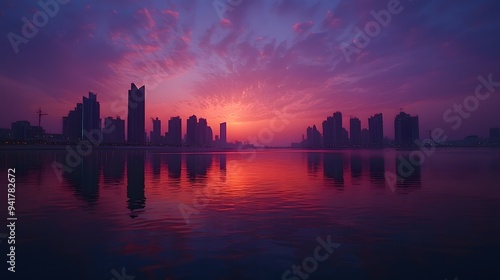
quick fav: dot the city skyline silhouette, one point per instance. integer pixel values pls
(85, 119)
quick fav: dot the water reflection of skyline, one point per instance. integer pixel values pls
(85, 178)
(335, 164)
(339, 169)
(377, 170)
(333, 168)
(256, 201)
(135, 180)
(409, 174)
(197, 167)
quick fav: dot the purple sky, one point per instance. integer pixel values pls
(262, 56)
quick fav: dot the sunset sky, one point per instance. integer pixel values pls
(242, 65)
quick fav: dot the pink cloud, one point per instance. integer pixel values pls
(171, 13)
(225, 22)
(331, 21)
(301, 27)
(145, 15)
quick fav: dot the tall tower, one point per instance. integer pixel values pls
(155, 137)
(337, 129)
(209, 137)
(406, 129)
(355, 130)
(117, 135)
(376, 129)
(202, 131)
(191, 133)
(136, 115)
(91, 118)
(223, 133)
(174, 131)
(328, 132)
(72, 124)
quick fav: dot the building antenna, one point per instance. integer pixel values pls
(40, 115)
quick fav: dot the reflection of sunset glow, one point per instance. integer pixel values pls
(125, 204)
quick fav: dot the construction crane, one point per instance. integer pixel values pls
(40, 115)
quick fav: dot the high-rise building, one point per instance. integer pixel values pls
(202, 132)
(191, 133)
(174, 131)
(136, 115)
(198, 132)
(313, 137)
(355, 130)
(365, 137)
(333, 134)
(406, 130)
(116, 128)
(155, 136)
(91, 116)
(376, 129)
(85, 117)
(210, 137)
(338, 133)
(328, 132)
(223, 133)
(72, 124)
(345, 137)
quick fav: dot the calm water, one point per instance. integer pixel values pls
(262, 214)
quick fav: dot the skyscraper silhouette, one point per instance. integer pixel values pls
(338, 133)
(313, 137)
(355, 130)
(155, 136)
(191, 133)
(136, 115)
(175, 131)
(345, 137)
(333, 133)
(91, 118)
(406, 130)
(328, 132)
(84, 118)
(116, 128)
(202, 132)
(209, 137)
(223, 133)
(72, 124)
(365, 137)
(376, 129)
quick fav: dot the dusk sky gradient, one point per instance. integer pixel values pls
(262, 57)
